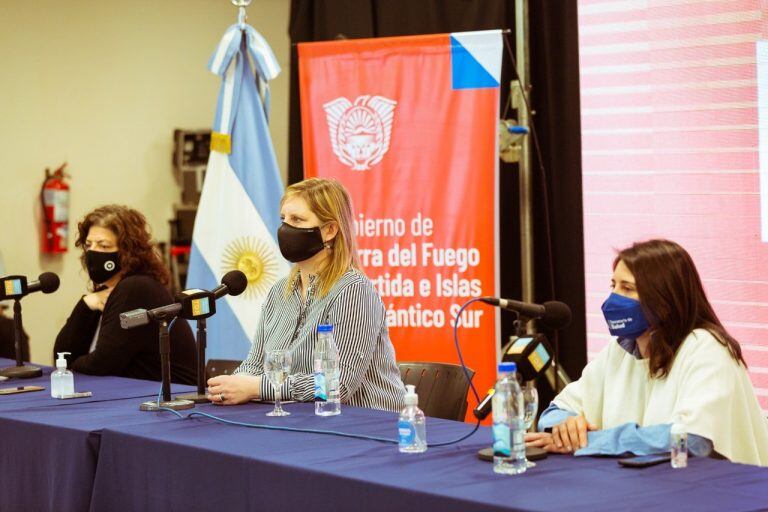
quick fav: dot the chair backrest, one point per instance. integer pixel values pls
(216, 367)
(442, 387)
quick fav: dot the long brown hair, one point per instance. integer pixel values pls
(138, 253)
(673, 300)
(329, 200)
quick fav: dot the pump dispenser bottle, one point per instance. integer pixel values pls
(412, 427)
(62, 380)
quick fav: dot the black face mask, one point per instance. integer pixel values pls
(299, 244)
(102, 265)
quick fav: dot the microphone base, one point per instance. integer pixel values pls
(175, 404)
(194, 397)
(21, 372)
(531, 453)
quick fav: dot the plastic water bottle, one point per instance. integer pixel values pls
(412, 424)
(326, 366)
(62, 380)
(678, 444)
(508, 423)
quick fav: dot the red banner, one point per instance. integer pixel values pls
(408, 125)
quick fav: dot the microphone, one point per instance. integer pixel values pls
(554, 314)
(16, 287)
(47, 282)
(533, 357)
(233, 283)
(190, 304)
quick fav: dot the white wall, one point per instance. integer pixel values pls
(102, 85)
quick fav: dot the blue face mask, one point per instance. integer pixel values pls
(624, 316)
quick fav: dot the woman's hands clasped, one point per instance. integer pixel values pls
(566, 437)
(234, 389)
(96, 300)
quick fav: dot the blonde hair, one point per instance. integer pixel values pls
(329, 200)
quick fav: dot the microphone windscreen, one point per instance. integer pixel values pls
(49, 282)
(557, 315)
(235, 281)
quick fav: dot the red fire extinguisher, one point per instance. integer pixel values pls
(54, 196)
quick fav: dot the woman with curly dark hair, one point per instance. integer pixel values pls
(126, 273)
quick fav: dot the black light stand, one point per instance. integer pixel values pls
(20, 371)
(200, 397)
(167, 401)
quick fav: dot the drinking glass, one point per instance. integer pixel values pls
(531, 406)
(277, 367)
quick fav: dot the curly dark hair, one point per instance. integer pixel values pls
(138, 253)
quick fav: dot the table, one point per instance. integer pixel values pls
(201, 464)
(49, 447)
(102, 453)
(103, 388)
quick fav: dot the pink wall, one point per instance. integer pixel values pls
(669, 100)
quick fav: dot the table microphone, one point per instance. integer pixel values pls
(533, 357)
(193, 304)
(16, 288)
(233, 283)
(531, 354)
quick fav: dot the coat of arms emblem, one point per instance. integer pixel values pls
(360, 132)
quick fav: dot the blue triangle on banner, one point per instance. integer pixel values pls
(466, 71)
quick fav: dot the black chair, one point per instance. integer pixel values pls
(216, 367)
(442, 388)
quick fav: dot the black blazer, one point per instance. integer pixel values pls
(131, 353)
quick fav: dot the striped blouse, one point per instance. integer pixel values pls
(368, 375)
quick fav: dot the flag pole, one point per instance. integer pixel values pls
(241, 5)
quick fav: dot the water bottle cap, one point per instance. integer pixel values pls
(325, 328)
(507, 367)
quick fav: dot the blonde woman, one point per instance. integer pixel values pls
(325, 286)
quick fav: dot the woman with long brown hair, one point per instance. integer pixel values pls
(126, 273)
(673, 362)
(325, 286)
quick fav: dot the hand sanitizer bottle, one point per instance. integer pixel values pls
(412, 426)
(62, 380)
(678, 444)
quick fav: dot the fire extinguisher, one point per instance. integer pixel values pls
(54, 197)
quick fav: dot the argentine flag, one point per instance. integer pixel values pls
(238, 215)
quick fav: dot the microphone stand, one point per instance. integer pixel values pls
(200, 397)
(167, 401)
(531, 452)
(20, 371)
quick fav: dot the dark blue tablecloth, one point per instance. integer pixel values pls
(49, 447)
(200, 464)
(103, 388)
(102, 453)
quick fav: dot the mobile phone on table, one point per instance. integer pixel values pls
(20, 389)
(644, 461)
